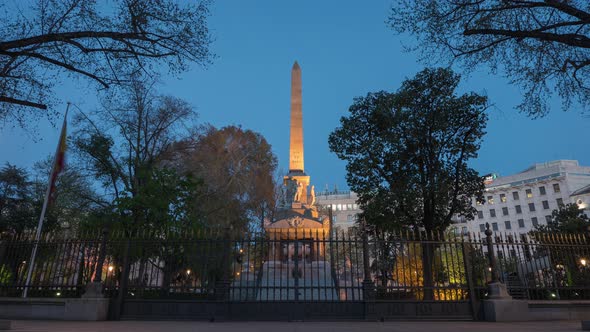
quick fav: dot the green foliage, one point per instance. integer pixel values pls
(5, 275)
(165, 201)
(407, 152)
(17, 200)
(567, 219)
(21, 199)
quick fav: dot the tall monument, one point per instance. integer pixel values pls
(296, 181)
(298, 235)
(296, 134)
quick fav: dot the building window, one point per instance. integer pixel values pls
(349, 218)
(542, 190)
(515, 195)
(334, 207)
(529, 193)
(507, 224)
(482, 228)
(464, 230)
(532, 207)
(545, 205)
(559, 202)
(503, 198)
(495, 226)
(492, 213)
(556, 188)
(535, 221)
(490, 199)
(504, 211)
(521, 223)
(547, 219)
(479, 214)
(518, 209)
(349, 206)
(339, 207)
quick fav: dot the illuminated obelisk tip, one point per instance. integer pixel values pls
(296, 138)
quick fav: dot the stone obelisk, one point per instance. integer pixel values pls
(296, 167)
(297, 219)
(296, 137)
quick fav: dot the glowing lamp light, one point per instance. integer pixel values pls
(58, 294)
(583, 261)
(238, 274)
(490, 269)
(188, 272)
(241, 250)
(110, 268)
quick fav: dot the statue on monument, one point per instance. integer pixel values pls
(291, 191)
(312, 196)
(299, 192)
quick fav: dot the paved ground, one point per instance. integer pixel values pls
(174, 326)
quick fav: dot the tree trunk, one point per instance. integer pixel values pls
(427, 267)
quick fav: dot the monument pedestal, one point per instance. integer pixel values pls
(501, 307)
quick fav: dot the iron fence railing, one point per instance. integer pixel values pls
(298, 266)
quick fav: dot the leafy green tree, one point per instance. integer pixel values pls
(569, 224)
(73, 199)
(16, 200)
(567, 219)
(540, 45)
(43, 41)
(124, 148)
(407, 154)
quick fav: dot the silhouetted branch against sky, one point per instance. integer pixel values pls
(44, 41)
(542, 46)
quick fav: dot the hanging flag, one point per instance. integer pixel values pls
(60, 159)
(58, 165)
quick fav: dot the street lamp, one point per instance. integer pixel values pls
(583, 261)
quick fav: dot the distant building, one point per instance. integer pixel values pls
(517, 203)
(343, 204)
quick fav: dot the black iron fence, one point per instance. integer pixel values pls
(307, 266)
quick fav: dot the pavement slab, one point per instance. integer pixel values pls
(392, 326)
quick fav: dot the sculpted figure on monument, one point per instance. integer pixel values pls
(291, 191)
(312, 196)
(299, 192)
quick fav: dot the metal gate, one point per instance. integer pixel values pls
(303, 279)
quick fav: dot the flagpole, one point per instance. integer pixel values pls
(42, 217)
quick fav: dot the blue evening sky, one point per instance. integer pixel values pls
(345, 50)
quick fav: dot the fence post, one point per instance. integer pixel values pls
(94, 288)
(368, 285)
(500, 306)
(467, 264)
(222, 286)
(123, 281)
(491, 255)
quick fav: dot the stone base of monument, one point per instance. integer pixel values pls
(500, 307)
(89, 309)
(5, 325)
(282, 282)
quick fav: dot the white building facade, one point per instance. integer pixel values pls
(343, 204)
(519, 202)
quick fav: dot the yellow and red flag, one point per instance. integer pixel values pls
(60, 158)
